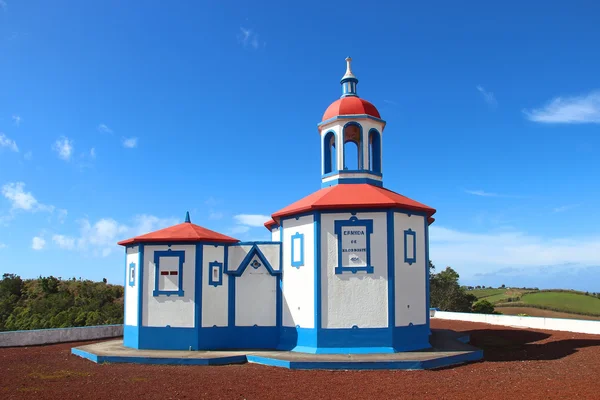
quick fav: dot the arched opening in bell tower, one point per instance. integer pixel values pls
(352, 135)
(329, 153)
(375, 151)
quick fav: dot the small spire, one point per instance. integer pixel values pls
(349, 81)
(349, 73)
(187, 217)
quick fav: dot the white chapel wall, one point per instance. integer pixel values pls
(173, 310)
(215, 300)
(298, 282)
(131, 292)
(410, 279)
(255, 296)
(356, 299)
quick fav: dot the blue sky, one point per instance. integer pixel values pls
(117, 117)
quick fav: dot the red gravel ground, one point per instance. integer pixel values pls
(531, 364)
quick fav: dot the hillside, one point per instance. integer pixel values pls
(48, 302)
(561, 301)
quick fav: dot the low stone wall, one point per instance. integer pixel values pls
(552, 324)
(60, 335)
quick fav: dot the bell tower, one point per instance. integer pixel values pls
(351, 132)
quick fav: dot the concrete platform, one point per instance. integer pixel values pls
(448, 348)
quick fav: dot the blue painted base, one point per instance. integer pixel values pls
(440, 357)
(355, 340)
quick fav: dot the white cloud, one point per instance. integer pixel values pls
(100, 238)
(239, 229)
(130, 143)
(64, 242)
(38, 243)
(64, 148)
(5, 141)
(584, 109)
(249, 38)
(477, 252)
(214, 215)
(28, 156)
(104, 129)
(487, 96)
(3, 246)
(481, 193)
(22, 200)
(253, 220)
(565, 208)
(62, 215)
(16, 120)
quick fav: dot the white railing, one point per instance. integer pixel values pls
(59, 335)
(553, 324)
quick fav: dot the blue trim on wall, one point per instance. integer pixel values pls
(141, 284)
(359, 145)
(350, 116)
(340, 180)
(255, 251)
(327, 165)
(351, 171)
(391, 270)
(131, 336)
(300, 262)
(211, 279)
(317, 289)
(230, 293)
(168, 253)
(407, 259)
(427, 304)
(125, 288)
(353, 221)
(198, 290)
(131, 272)
(375, 153)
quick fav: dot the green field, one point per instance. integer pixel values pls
(560, 301)
(481, 293)
(564, 301)
(496, 295)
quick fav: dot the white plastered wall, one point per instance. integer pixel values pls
(275, 235)
(173, 310)
(410, 280)
(354, 299)
(299, 283)
(131, 292)
(255, 296)
(215, 300)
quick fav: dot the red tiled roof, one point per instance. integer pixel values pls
(185, 232)
(270, 223)
(349, 196)
(350, 105)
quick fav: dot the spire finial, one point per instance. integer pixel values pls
(349, 73)
(349, 81)
(187, 217)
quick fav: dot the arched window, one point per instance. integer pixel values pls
(352, 146)
(329, 154)
(375, 151)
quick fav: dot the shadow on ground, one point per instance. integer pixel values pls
(521, 345)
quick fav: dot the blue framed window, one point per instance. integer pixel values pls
(297, 250)
(168, 278)
(215, 273)
(410, 246)
(131, 274)
(354, 245)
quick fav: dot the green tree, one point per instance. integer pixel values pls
(445, 292)
(483, 307)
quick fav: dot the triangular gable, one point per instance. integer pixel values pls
(254, 252)
(272, 252)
